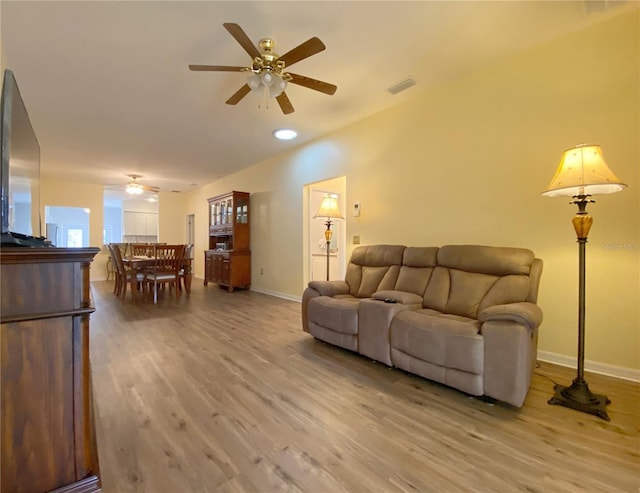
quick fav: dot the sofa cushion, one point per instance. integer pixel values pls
(442, 339)
(470, 278)
(497, 261)
(373, 268)
(416, 269)
(337, 314)
(372, 279)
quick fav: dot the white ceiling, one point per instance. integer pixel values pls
(109, 92)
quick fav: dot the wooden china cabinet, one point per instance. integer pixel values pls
(227, 262)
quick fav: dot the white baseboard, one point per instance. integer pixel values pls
(269, 292)
(277, 294)
(592, 366)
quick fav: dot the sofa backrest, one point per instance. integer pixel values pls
(373, 268)
(470, 278)
(416, 269)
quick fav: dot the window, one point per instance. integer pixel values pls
(74, 237)
(67, 226)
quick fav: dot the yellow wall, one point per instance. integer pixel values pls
(172, 214)
(465, 163)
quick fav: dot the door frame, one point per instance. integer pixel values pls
(335, 186)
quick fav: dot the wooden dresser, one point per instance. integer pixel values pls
(47, 431)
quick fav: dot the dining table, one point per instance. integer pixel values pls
(138, 263)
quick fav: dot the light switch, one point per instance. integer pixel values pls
(356, 209)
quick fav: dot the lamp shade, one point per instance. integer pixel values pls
(329, 209)
(254, 81)
(582, 171)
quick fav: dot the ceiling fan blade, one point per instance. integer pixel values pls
(240, 36)
(150, 188)
(285, 104)
(316, 85)
(302, 51)
(215, 68)
(239, 94)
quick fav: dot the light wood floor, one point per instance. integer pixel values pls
(223, 392)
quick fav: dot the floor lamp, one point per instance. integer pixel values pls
(582, 173)
(328, 210)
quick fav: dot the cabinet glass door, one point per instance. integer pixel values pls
(229, 211)
(217, 213)
(242, 212)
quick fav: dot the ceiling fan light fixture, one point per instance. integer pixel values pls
(277, 88)
(254, 82)
(134, 189)
(268, 78)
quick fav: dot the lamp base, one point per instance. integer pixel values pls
(578, 396)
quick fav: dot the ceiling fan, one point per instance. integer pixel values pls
(268, 68)
(135, 188)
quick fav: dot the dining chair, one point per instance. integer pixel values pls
(166, 268)
(111, 268)
(111, 264)
(125, 276)
(188, 254)
(141, 249)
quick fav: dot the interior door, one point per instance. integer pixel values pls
(190, 233)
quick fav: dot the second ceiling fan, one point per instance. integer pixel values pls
(268, 68)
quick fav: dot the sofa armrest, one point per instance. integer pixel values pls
(329, 288)
(527, 314)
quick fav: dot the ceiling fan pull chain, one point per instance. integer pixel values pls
(263, 96)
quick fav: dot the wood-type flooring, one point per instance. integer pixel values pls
(223, 392)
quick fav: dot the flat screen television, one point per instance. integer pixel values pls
(20, 171)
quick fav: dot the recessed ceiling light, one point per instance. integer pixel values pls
(285, 134)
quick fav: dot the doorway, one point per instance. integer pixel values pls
(316, 251)
(190, 232)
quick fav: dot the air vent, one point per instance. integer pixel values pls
(402, 85)
(594, 6)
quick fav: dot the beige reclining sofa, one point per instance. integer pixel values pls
(462, 315)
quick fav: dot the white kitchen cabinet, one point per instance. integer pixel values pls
(151, 224)
(140, 223)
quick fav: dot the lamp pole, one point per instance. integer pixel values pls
(577, 395)
(327, 237)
